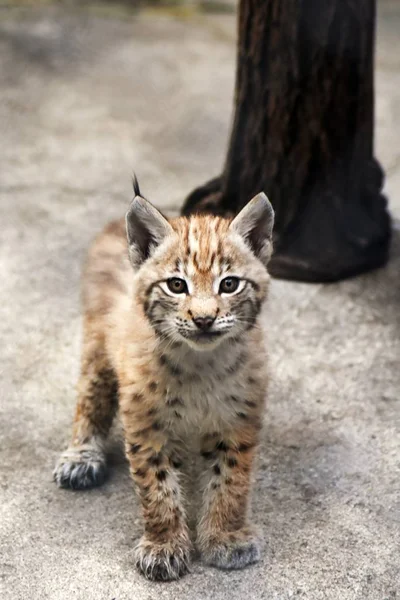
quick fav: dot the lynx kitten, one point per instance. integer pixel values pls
(173, 338)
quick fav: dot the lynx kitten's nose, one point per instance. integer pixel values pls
(203, 323)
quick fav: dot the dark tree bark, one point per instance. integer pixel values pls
(303, 133)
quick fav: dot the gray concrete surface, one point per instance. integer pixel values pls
(84, 99)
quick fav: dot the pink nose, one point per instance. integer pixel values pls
(203, 323)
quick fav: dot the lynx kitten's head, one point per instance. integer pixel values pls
(201, 279)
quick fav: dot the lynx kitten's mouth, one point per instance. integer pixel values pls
(206, 335)
(202, 337)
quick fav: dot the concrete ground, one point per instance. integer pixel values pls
(84, 99)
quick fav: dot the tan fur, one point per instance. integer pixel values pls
(172, 394)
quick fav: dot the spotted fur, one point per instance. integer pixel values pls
(188, 370)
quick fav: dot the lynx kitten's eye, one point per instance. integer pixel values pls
(177, 286)
(229, 285)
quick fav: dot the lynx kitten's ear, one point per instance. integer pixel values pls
(255, 223)
(146, 227)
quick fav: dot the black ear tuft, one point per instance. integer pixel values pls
(135, 185)
(255, 223)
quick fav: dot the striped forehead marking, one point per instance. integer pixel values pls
(204, 246)
(202, 250)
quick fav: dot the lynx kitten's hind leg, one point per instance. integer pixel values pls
(81, 467)
(83, 464)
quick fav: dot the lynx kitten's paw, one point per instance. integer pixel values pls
(80, 468)
(233, 550)
(162, 561)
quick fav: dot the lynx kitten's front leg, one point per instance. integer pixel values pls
(225, 538)
(164, 551)
(83, 464)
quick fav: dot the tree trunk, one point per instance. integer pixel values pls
(303, 133)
